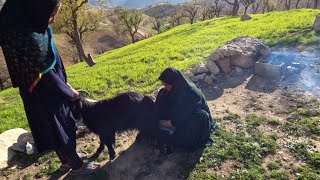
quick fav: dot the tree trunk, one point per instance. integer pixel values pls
(253, 8)
(309, 2)
(235, 8)
(78, 43)
(315, 4)
(192, 19)
(1, 85)
(132, 38)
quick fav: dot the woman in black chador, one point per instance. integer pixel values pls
(35, 67)
(183, 112)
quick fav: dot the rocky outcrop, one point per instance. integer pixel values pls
(245, 17)
(241, 52)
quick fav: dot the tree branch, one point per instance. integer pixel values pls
(227, 1)
(80, 5)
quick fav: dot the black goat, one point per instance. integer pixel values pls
(126, 111)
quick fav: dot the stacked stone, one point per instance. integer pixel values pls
(240, 53)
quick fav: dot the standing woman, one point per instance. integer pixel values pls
(35, 67)
(183, 112)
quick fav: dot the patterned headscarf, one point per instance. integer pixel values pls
(26, 40)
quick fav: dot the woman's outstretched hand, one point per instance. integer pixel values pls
(165, 123)
(76, 94)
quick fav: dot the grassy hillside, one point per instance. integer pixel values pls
(136, 67)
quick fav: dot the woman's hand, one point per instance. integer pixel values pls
(165, 123)
(76, 94)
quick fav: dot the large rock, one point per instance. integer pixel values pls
(209, 79)
(198, 78)
(215, 56)
(200, 68)
(243, 52)
(316, 24)
(245, 17)
(7, 139)
(224, 64)
(212, 67)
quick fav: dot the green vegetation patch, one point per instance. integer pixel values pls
(279, 175)
(303, 122)
(307, 152)
(136, 67)
(247, 154)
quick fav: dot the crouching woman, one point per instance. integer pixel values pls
(183, 112)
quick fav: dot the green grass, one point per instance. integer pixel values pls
(279, 175)
(307, 152)
(274, 166)
(247, 154)
(136, 67)
(305, 123)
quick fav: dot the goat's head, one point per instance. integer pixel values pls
(76, 108)
(80, 106)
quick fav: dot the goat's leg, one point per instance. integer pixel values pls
(110, 141)
(102, 138)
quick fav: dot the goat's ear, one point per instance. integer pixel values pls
(80, 103)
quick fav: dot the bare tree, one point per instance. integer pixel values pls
(215, 8)
(315, 4)
(204, 9)
(256, 5)
(269, 5)
(191, 10)
(235, 6)
(75, 20)
(287, 4)
(246, 4)
(177, 15)
(297, 3)
(157, 24)
(120, 33)
(131, 20)
(309, 3)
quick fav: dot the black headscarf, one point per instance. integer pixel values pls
(185, 95)
(26, 40)
(179, 81)
(26, 15)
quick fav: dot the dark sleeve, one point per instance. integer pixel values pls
(52, 81)
(163, 105)
(184, 106)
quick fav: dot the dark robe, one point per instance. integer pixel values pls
(47, 109)
(36, 68)
(186, 107)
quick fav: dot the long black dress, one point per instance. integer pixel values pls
(35, 67)
(47, 109)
